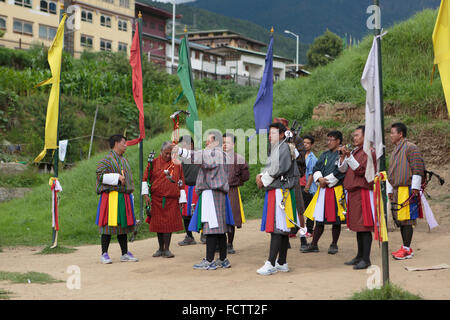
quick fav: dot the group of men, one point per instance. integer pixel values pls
(198, 190)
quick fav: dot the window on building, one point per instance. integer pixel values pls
(123, 47)
(108, 1)
(105, 21)
(197, 55)
(86, 16)
(105, 45)
(205, 57)
(24, 3)
(86, 41)
(152, 25)
(124, 3)
(2, 23)
(22, 27)
(123, 25)
(160, 46)
(46, 32)
(48, 6)
(160, 27)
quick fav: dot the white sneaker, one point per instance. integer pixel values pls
(105, 259)
(282, 268)
(128, 257)
(266, 269)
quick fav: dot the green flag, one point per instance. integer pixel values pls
(187, 83)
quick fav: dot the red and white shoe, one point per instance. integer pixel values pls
(403, 254)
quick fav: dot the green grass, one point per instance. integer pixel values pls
(29, 277)
(4, 295)
(57, 250)
(407, 62)
(387, 292)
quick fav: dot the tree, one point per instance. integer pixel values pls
(327, 44)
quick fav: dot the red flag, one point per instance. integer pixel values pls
(136, 69)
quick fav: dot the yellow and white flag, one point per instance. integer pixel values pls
(441, 44)
(54, 60)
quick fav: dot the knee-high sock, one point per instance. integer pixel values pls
(186, 221)
(160, 241)
(309, 225)
(335, 233)
(407, 233)
(359, 241)
(222, 239)
(231, 235)
(318, 230)
(211, 242)
(283, 250)
(123, 242)
(367, 245)
(105, 240)
(166, 240)
(275, 245)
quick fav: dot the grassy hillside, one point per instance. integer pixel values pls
(407, 63)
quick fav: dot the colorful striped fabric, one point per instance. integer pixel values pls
(411, 211)
(192, 199)
(269, 211)
(196, 220)
(115, 209)
(406, 161)
(113, 163)
(325, 205)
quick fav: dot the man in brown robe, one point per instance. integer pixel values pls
(359, 197)
(238, 173)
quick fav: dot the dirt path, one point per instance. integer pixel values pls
(312, 276)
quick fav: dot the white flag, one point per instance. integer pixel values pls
(373, 136)
(62, 149)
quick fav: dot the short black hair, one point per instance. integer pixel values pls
(115, 138)
(187, 138)
(335, 134)
(229, 135)
(310, 138)
(278, 125)
(400, 127)
(363, 128)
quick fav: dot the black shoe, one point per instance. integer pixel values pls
(311, 248)
(333, 249)
(230, 249)
(303, 247)
(361, 265)
(353, 261)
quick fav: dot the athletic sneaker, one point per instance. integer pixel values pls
(167, 254)
(158, 253)
(128, 257)
(224, 264)
(310, 248)
(267, 269)
(230, 249)
(403, 254)
(187, 241)
(205, 265)
(282, 268)
(105, 259)
(333, 249)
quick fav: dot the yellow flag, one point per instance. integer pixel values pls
(54, 60)
(441, 44)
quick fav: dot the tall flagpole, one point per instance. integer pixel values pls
(384, 244)
(141, 143)
(56, 155)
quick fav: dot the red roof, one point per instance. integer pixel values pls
(155, 11)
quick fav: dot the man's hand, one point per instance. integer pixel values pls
(323, 182)
(416, 192)
(259, 182)
(122, 179)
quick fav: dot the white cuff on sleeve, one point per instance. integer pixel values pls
(144, 188)
(317, 175)
(184, 153)
(266, 179)
(343, 166)
(332, 180)
(182, 197)
(352, 162)
(389, 188)
(111, 178)
(416, 182)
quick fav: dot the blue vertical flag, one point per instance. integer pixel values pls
(264, 100)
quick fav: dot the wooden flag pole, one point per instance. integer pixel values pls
(384, 244)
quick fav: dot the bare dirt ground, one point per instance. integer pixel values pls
(311, 276)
